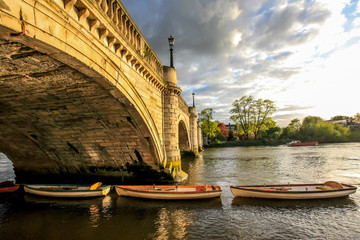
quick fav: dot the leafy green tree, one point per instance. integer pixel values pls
(348, 120)
(284, 133)
(292, 130)
(207, 125)
(315, 128)
(252, 116)
(355, 135)
(221, 137)
(272, 133)
(339, 117)
(242, 113)
(309, 126)
(295, 125)
(263, 110)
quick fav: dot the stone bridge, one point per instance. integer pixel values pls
(83, 95)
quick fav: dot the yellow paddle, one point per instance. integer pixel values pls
(95, 186)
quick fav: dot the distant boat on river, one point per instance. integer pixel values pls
(169, 192)
(329, 189)
(67, 191)
(298, 143)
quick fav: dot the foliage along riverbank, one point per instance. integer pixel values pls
(254, 126)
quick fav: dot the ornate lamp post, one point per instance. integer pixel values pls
(193, 95)
(171, 45)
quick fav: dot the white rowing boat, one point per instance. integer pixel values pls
(328, 189)
(67, 191)
(169, 192)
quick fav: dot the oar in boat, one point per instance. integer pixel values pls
(95, 186)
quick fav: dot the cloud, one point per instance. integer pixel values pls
(295, 53)
(290, 108)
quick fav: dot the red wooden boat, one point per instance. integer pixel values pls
(298, 143)
(8, 187)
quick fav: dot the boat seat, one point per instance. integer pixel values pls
(325, 188)
(333, 184)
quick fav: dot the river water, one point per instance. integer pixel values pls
(114, 217)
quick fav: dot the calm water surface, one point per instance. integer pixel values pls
(114, 217)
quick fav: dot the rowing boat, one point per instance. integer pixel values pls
(329, 189)
(169, 192)
(67, 191)
(8, 187)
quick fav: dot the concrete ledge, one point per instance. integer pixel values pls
(180, 176)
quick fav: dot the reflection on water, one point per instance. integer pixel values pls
(172, 224)
(94, 216)
(115, 217)
(343, 202)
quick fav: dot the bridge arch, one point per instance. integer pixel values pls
(58, 121)
(81, 91)
(184, 135)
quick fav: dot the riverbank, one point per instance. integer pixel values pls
(248, 143)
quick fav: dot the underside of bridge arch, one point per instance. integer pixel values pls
(184, 143)
(57, 124)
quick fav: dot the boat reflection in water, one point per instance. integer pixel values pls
(345, 203)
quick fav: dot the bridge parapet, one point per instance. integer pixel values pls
(109, 21)
(183, 106)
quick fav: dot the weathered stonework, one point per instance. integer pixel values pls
(83, 93)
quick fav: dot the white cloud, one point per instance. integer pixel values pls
(236, 37)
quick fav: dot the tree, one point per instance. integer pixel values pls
(223, 129)
(263, 110)
(252, 115)
(220, 137)
(339, 117)
(309, 125)
(295, 125)
(242, 113)
(349, 120)
(270, 130)
(315, 128)
(207, 125)
(293, 129)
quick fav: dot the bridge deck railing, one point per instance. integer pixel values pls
(127, 42)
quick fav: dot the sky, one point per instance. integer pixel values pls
(302, 55)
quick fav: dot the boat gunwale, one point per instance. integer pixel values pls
(129, 188)
(64, 190)
(245, 188)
